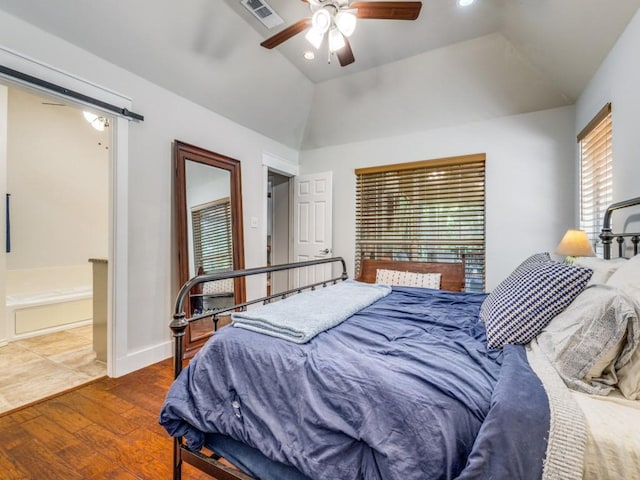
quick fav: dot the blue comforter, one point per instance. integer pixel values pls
(404, 389)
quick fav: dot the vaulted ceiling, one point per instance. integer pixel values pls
(450, 66)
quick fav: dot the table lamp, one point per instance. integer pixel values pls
(575, 243)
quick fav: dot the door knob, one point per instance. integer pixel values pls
(325, 251)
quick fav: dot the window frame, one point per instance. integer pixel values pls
(595, 173)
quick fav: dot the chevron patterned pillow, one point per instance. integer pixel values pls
(524, 303)
(511, 281)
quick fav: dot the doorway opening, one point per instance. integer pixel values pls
(56, 173)
(278, 229)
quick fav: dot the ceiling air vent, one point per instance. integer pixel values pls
(263, 12)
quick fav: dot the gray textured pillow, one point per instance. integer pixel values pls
(599, 329)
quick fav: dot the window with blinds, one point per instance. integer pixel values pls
(432, 211)
(596, 192)
(212, 241)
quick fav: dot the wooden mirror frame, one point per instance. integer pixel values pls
(182, 153)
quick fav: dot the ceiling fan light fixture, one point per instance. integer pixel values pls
(336, 40)
(314, 37)
(465, 3)
(99, 123)
(321, 20)
(337, 19)
(90, 117)
(346, 22)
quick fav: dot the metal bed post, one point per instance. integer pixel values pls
(607, 235)
(178, 326)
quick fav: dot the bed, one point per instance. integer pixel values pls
(417, 383)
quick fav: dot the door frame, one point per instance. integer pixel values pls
(273, 163)
(117, 302)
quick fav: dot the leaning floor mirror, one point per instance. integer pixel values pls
(209, 234)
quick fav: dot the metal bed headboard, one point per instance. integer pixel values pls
(607, 235)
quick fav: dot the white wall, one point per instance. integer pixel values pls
(454, 85)
(152, 258)
(529, 180)
(618, 81)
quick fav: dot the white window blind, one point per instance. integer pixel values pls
(432, 211)
(596, 192)
(212, 241)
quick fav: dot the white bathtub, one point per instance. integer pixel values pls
(31, 314)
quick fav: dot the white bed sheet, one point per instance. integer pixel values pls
(613, 436)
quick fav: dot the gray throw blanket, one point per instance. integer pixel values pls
(301, 317)
(567, 430)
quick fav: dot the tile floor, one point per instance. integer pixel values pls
(38, 367)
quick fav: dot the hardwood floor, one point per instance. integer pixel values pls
(105, 430)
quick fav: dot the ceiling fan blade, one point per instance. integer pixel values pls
(388, 10)
(287, 33)
(345, 54)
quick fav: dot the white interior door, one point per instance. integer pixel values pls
(312, 222)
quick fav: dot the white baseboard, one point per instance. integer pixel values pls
(142, 358)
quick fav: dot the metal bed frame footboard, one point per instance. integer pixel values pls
(607, 235)
(181, 453)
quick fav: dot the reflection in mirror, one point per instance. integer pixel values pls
(209, 227)
(210, 244)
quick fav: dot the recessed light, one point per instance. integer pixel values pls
(309, 55)
(465, 3)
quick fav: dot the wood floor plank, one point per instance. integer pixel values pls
(152, 470)
(107, 399)
(37, 459)
(63, 415)
(24, 415)
(13, 434)
(102, 467)
(149, 419)
(83, 456)
(50, 433)
(9, 470)
(119, 448)
(149, 398)
(154, 442)
(93, 410)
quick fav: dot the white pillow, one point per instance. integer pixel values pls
(627, 278)
(408, 279)
(602, 269)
